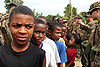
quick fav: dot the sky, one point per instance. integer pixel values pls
(52, 7)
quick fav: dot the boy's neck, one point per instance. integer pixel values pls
(17, 48)
(70, 46)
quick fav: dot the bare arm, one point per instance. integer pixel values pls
(60, 65)
(44, 62)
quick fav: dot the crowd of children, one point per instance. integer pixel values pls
(36, 42)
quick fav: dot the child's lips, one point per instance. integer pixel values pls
(22, 38)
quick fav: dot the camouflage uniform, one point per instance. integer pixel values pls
(95, 37)
(4, 19)
(87, 55)
(4, 30)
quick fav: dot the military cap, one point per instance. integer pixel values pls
(87, 15)
(94, 6)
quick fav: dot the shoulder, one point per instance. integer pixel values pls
(4, 15)
(49, 42)
(47, 39)
(59, 43)
(36, 49)
(3, 47)
(47, 48)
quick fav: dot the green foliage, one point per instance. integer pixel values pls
(21, 2)
(82, 13)
(67, 11)
(49, 17)
(74, 11)
(58, 16)
(36, 14)
(83, 20)
(7, 2)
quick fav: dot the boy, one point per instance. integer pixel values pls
(37, 38)
(54, 31)
(20, 52)
(50, 42)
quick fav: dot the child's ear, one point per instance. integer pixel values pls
(49, 32)
(8, 24)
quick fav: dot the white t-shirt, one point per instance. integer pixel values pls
(54, 48)
(50, 59)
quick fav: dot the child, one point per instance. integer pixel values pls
(20, 52)
(54, 31)
(37, 38)
(71, 51)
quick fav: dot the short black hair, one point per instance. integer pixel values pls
(21, 10)
(52, 25)
(68, 36)
(41, 17)
(53, 17)
(39, 21)
(75, 36)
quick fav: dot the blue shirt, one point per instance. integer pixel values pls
(62, 51)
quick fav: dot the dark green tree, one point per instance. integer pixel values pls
(49, 17)
(17, 2)
(58, 15)
(74, 11)
(36, 14)
(82, 13)
(67, 12)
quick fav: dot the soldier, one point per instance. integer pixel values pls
(4, 30)
(89, 21)
(95, 37)
(84, 31)
(79, 28)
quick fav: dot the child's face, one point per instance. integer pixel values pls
(21, 27)
(39, 33)
(56, 33)
(63, 31)
(72, 41)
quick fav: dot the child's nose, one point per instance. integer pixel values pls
(22, 30)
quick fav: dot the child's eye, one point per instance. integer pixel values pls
(28, 26)
(43, 32)
(16, 26)
(37, 32)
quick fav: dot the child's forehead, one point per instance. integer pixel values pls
(21, 16)
(57, 27)
(39, 25)
(19, 23)
(72, 38)
(18, 14)
(21, 19)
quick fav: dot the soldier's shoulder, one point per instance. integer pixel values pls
(3, 16)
